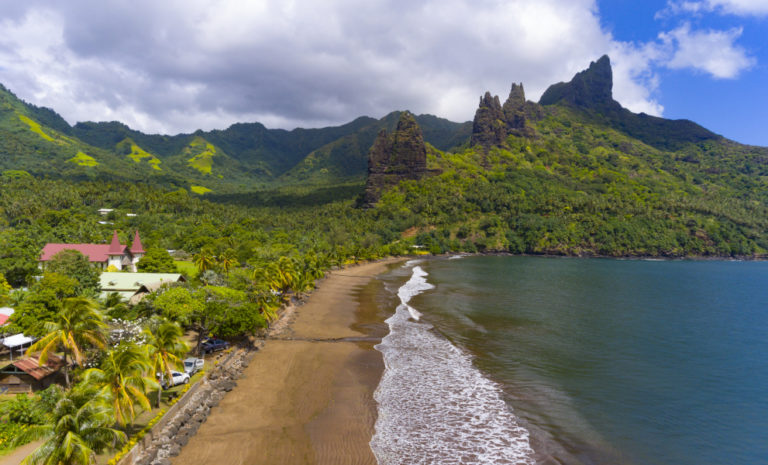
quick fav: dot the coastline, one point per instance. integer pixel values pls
(307, 396)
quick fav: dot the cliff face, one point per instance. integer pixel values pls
(489, 128)
(591, 88)
(395, 157)
(494, 122)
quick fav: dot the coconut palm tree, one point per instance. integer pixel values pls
(77, 431)
(123, 380)
(280, 276)
(266, 301)
(204, 260)
(228, 260)
(78, 324)
(165, 348)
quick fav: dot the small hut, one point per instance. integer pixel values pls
(27, 375)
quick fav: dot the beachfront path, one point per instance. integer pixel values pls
(306, 397)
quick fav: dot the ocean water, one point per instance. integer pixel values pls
(523, 360)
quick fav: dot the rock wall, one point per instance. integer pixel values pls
(182, 421)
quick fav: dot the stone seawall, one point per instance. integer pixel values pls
(182, 420)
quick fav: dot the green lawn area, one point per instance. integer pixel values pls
(186, 268)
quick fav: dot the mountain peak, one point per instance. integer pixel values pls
(395, 157)
(591, 88)
(488, 127)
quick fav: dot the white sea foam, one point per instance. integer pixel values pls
(434, 406)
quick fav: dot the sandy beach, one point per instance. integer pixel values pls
(307, 396)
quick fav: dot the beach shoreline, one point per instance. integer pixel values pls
(307, 396)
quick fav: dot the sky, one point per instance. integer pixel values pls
(179, 65)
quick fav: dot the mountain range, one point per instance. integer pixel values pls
(242, 157)
(248, 156)
(574, 173)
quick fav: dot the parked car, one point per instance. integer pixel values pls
(176, 379)
(192, 365)
(214, 345)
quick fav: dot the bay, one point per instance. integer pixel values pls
(615, 361)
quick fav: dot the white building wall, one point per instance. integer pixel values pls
(115, 260)
(136, 259)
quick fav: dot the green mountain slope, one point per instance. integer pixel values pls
(240, 158)
(346, 159)
(585, 176)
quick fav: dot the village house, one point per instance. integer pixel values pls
(115, 254)
(132, 287)
(26, 375)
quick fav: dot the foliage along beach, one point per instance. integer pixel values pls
(574, 174)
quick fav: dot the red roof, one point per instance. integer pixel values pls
(115, 247)
(31, 366)
(94, 252)
(136, 246)
(3, 319)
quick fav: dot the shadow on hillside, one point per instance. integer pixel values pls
(293, 196)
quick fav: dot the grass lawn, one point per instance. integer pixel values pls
(186, 268)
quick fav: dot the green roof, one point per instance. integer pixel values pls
(125, 282)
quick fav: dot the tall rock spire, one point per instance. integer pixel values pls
(489, 128)
(514, 111)
(591, 88)
(395, 157)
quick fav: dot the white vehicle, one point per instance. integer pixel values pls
(192, 365)
(176, 379)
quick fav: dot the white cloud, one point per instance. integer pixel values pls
(710, 51)
(634, 76)
(180, 65)
(734, 7)
(742, 7)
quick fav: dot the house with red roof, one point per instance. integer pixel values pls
(122, 257)
(28, 375)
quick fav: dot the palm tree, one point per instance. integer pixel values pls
(165, 348)
(77, 431)
(205, 260)
(304, 281)
(267, 303)
(280, 276)
(228, 260)
(77, 324)
(123, 380)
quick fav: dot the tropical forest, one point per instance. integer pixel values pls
(253, 217)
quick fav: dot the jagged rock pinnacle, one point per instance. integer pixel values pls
(591, 88)
(395, 157)
(489, 128)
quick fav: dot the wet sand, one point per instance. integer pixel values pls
(307, 397)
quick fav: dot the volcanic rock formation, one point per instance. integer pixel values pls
(395, 157)
(489, 128)
(493, 122)
(591, 88)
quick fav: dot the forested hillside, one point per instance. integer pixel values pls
(241, 158)
(574, 174)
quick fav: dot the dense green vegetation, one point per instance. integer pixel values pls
(578, 188)
(254, 217)
(241, 158)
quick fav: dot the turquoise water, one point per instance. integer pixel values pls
(602, 361)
